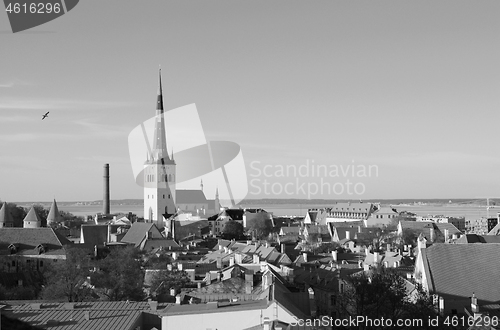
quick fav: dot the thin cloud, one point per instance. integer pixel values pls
(13, 83)
(59, 104)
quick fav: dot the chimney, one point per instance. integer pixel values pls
(282, 248)
(178, 299)
(335, 255)
(153, 305)
(198, 285)
(172, 292)
(231, 261)
(248, 283)
(108, 239)
(375, 257)
(388, 247)
(446, 235)
(105, 197)
(267, 324)
(180, 266)
(359, 229)
(174, 255)
(86, 315)
(432, 234)
(473, 304)
(347, 234)
(304, 255)
(421, 243)
(219, 262)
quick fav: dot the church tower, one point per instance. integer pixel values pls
(159, 172)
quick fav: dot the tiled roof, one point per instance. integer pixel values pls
(136, 234)
(463, 269)
(452, 230)
(290, 230)
(5, 215)
(474, 238)
(119, 315)
(352, 207)
(30, 238)
(32, 216)
(187, 228)
(342, 232)
(154, 243)
(318, 229)
(54, 215)
(190, 197)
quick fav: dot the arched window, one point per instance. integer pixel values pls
(166, 178)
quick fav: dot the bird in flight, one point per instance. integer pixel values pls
(45, 115)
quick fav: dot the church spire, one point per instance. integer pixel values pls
(160, 152)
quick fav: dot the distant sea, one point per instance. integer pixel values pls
(301, 209)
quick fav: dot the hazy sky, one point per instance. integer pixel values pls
(409, 87)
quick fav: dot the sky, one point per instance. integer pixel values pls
(385, 99)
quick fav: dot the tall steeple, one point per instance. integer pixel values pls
(159, 151)
(159, 171)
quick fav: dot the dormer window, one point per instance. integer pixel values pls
(41, 248)
(13, 248)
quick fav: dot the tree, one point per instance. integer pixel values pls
(260, 226)
(233, 229)
(382, 293)
(163, 280)
(119, 275)
(67, 279)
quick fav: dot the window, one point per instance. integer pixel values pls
(163, 196)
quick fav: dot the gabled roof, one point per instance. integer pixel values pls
(138, 232)
(318, 229)
(5, 215)
(54, 215)
(32, 216)
(154, 243)
(290, 230)
(342, 232)
(452, 230)
(190, 197)
(463, 269)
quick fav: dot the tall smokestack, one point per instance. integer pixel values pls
(105, 192)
